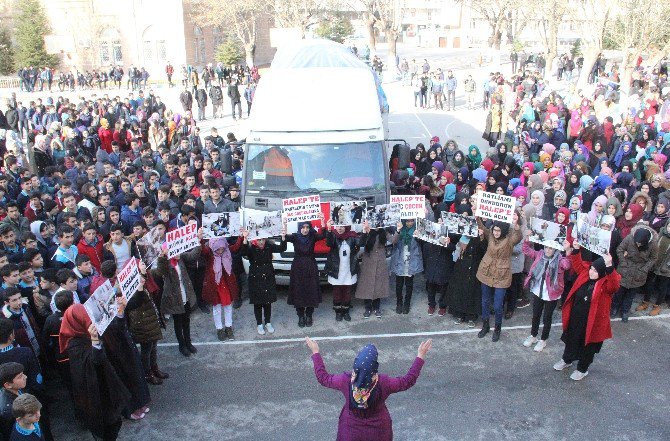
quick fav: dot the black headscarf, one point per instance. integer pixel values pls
(642, 237)
(600, 267)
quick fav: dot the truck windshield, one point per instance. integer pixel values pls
(322, 167)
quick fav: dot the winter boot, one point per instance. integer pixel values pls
(485, 328)
(308, 319)
(407, 303)
(656, 310)
(301, 319)
(158, 373)
(398, 304)
(496, 333)
(345, 313)
(642, 306)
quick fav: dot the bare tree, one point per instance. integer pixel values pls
(641, 28)
(299, 14)
(592, 31)
(389, 14)
(239, 17)
(551, 13)
(495, 13)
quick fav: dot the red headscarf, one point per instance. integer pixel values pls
(624, 225)
(75, 324)
(566, 213)
(346, 235)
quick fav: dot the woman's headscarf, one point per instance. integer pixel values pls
(566, 213)
(74, 325)
(439, 166)
(301, 237)
(584, 184)
(476, 159)
(104, 123)
(35, 228)
(538, 207)
(536, 183)
(593, 216)
(625, 225)
(458, 163)
(449, 192)
(223, 260)
(346, 234)
(460, 207)
(479, 174)
(521, 191)
(601, 183)
(465, 175)
(364, 378)
(449, 175)
(642, 237)
(614, 201)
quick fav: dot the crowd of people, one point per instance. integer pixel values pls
(107, 171)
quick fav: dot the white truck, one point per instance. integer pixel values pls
(317, 126)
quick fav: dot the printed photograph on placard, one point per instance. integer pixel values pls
(101, 306)
(460, 224)
(384, 215)
(348, 213)
(548, 233)
(262, 224)
(429, 231)
(149, 245)
(220, 225)
(592, 238)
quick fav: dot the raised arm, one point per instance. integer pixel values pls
(399, 384)
(324, 378)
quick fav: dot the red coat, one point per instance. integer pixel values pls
(598, 327)
(224, 292)
(106, 137)
(94, 253)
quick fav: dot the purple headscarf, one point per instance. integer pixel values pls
(222, 260)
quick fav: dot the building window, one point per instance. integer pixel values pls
(161, 50)
(199, 42)
(110, 47)
(117, 54)
(104, 53)
(148, 52)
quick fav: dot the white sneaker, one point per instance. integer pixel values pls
(261, 331)
(530, 341)
(540, 345)
(269, 327)
(561, 365)
(576, 375)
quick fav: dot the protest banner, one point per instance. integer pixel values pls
(262, 224)
(129, 278)
(497, 207)
(220, 225)
(460, 224)
(549, 234)
(431, 232)
(348, 213)
(413, 207)
(383, 215)
(593, 238)
(101, 306)
(150, 244)
(182, 239)
(302, 209)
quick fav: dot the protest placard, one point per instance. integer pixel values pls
(460, 224)
(383, 215)
(592, 238)
(431, 232)
(302, 209)
(150, 244)
(262, 224)
(182, 239)
(129, 278)
(549, 234)
(413, 207)
(220, 225)
(101, 306)
(348, 213)
(497, 207)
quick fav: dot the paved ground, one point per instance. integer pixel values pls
(263, 388)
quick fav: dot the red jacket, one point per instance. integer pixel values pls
(226, 291)
(598, 327)
(93, 252)
(105, 136)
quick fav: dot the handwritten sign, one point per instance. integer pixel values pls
(182, 239)
(302, 209)
(495, 206)
(413, 207)
(129, 278)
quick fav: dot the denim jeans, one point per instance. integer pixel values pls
(498, 300)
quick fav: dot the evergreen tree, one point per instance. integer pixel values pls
(31, 26)
(229, 52)
(6, 53)
(336, 27)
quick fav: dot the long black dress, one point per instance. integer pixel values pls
(304, 290)
(262, 285)
(575, 336)
(464, 288)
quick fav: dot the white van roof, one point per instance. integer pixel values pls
(316, 86)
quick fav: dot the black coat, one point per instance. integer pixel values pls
(201, 97)
(438, 262)
(99, 395)
(262, 284)
(465, 289)
(304, 289)
(234, 93)
(333, 262)
(186, 100)
(143, 318)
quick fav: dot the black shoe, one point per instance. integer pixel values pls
(496, 334)
(378, 313)
(613, 313)
(398, 309)
(405, 309)
(346, 316)
(204, 308)
(191, 348)
(309, 321)
(184, 351)
(485, 329)
(338, 316)
(301, 321)
(229, 333)
(624, 317)
(221, 334)
(237, 303)
(367, 313)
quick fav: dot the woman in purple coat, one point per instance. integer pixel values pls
(365, 417)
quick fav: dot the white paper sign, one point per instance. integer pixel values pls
(220, 225)
(497, 207)
(129, 278)
(593, 238)
(262, 224)
(182, 239)
(101, 306)
(302, 209)
(549, 234)
(413, 207)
